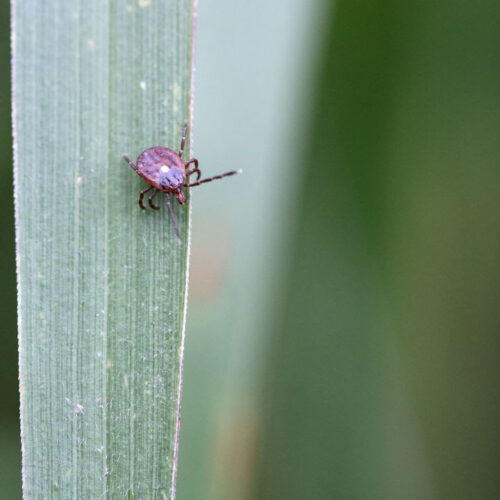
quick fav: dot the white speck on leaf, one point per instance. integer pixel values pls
(79, 410)
(91, 44)
(143, 85)
(143, 3)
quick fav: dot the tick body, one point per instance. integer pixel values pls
(165, 171)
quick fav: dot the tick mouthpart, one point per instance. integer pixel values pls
(181, 198)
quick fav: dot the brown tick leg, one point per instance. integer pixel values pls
(141, 197)
(172, 216)
(151, 198)
(195, 169)
(210, 179)
(192, 160)
(183, 140)
(130, 162)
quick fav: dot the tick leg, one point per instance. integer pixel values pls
(150, 200)
(172, 216)
(141, 196)
(210, 179)
(183, 140)
(130, 162)
(194, 170)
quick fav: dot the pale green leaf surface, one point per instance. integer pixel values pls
(102, 285)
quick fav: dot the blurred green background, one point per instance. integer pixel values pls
(343, 327)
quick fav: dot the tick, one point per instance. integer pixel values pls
(164, 170)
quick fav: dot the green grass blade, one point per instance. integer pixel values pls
(101, 285)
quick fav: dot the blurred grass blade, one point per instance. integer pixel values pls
(102, 285)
